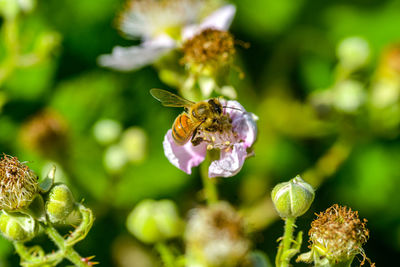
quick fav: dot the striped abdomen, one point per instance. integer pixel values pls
(182, 129)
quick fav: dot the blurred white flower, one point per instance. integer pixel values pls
(162, 26)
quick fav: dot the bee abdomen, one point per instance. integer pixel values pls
(181, 130)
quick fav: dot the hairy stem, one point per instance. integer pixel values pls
(167, 257)
(283, 257)
(68, 251)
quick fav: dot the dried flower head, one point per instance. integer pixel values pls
(338, 234)
(18, 184)
(210, 46)
(216, 236)
(45, 132)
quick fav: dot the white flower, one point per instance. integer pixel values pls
(162, 26)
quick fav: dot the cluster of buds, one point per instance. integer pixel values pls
(25, 201)
(28, 203)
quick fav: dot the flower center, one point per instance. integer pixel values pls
(209, 47)
(223, 138)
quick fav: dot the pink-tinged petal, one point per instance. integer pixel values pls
(221, 19)
(184, 157)
(230, 162)
(135, 57)
(243, 122)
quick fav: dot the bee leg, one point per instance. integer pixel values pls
(196, 141)
(212, 129)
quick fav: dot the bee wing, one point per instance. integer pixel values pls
(169, 99)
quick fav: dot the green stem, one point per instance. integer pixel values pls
(283, 256)
(10, 35)
(68, 251)
(35, 257)
(209, 184)
(166, 255)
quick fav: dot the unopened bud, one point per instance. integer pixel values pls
(293, 198)
(151, 221)
(353, 53)
(17, 226)
(107, 131)
(60, 203)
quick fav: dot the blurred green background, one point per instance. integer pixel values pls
(352, 156)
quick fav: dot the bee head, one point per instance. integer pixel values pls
(215, 106)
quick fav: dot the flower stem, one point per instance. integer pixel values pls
(68, 251)
(166, 255)
(284, 255)
(210, 187)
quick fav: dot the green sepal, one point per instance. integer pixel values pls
(36, 209)
(47, 182)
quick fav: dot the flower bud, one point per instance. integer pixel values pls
(115, 158)
(17, 227)
(349, 95)
(293, 198)
(60, 203)
(107, 131)
(215, 236)
(134, 142)
(18, 184)
(353, 53)
(151, 221)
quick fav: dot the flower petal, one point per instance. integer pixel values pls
(242, 121)
(230, 162)
(221, 19)
(135, 57)
(184, 157)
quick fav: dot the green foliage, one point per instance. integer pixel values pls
(291, 64)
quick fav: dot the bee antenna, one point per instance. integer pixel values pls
(233, 108)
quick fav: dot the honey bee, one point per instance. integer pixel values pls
(203, 116)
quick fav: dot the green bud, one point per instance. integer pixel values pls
(353, 53)
(134, 142)
(152, 221)
(349, 95)
(107, 131)
(115, 158)
(17, 226)
(60, 203)
(293, 198)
